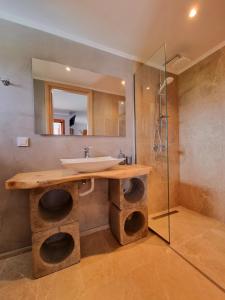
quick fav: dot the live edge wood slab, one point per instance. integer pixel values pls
(33, 180)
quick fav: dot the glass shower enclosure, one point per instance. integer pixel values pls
(151, 115)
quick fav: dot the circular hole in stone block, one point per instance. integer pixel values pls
(133, 189)
(57, 247)
(55, 205)
(134, 222)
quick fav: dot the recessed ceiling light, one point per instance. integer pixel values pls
(123, 82)
(193, 12)
(68, 69)
(148, 88)
(122, 102)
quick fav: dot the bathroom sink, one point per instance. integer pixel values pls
(91, 164)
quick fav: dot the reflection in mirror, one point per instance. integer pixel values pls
(72, 101)
(68, 108)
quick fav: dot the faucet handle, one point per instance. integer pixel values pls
(87, 147)
(87, 151)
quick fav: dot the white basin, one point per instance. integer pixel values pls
(91, 164)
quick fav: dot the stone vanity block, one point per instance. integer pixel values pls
(55, 249)
(130, 192)
(129, 225)
(53, 206)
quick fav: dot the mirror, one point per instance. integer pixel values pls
(72, 101)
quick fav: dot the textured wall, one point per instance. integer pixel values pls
(146, 104)
(202, 136)
(18, 46)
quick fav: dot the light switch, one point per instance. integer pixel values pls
(22, 141)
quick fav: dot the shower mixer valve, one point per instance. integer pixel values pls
(159, 148)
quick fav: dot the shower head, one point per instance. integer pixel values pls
(166, 82)
(169, 80)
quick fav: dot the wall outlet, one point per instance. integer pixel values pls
(22, 141)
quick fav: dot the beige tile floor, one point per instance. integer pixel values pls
(200, 239)
(148, 269)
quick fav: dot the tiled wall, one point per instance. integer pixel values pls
(146, 115)
(202, 136)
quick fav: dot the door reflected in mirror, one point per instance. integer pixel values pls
(77, 102)
(69, 108)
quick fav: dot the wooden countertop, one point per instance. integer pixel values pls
(46, 178)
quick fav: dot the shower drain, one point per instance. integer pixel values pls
(165, 215)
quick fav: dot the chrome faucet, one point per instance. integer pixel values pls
(87, 151)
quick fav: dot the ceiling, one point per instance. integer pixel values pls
(132, 29)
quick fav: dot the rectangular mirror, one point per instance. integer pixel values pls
(72, 101)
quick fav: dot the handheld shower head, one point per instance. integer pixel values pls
(167, 81)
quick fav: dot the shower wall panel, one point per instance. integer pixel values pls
(202, 132)
(146, 93)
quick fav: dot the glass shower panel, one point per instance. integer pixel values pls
(152, 137)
